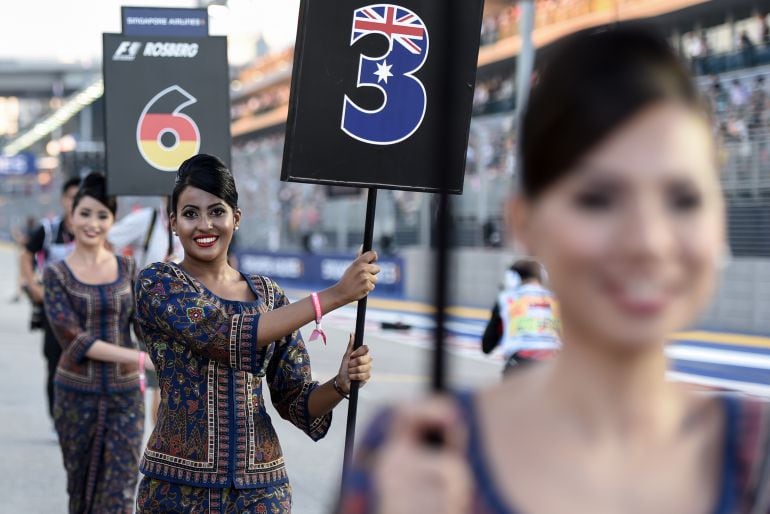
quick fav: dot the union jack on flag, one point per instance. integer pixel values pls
(400, 25)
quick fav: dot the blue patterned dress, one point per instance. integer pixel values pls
(98, 409)
(214, 448)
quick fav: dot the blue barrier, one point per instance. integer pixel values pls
(318, 271)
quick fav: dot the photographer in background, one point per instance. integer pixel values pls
(523, 320)
(50, 242)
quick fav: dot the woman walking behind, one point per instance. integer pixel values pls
(98, 406)
(216, 336)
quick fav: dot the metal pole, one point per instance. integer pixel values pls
(438, 381)
(526, 59)
(350, 431)
(452, 22)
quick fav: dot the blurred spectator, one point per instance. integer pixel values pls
(747, 49)
(21, 236)
(758, 104)
(764, 29)
(739, 94)
(719, 97)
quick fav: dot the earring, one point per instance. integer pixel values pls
(237, 227)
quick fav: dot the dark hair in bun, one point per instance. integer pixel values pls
(95, 186)
(208, 173)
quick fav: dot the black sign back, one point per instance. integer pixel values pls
(166, 99)
(382, 134)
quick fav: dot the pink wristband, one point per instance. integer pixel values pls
(318, 332)
(142, 375)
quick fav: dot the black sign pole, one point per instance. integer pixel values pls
(443, 238)
(350, 431)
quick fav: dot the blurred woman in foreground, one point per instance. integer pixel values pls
(620, 200)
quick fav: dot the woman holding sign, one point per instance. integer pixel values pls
(215, 336)
(620, 200)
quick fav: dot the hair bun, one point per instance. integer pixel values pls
(93, 180)
(95, 185)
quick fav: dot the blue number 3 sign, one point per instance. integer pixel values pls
(403, 106)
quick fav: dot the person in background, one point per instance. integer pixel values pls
(98, 406)
(523, 319)
(748, 49)
(50, 242)
(146, 235)
(763, 34)
(620, 200)
(218, 337)
(758, 104)
(21, 235)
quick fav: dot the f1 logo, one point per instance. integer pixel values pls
(127, 51)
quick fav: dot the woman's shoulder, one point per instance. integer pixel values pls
(127, 263)
(268, 290)
(55, 271)
(160, 269)
(164, 278)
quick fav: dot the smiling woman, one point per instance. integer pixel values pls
(98, 407)
(216, 336)
(620, 201)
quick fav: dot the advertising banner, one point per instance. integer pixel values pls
(20, 164)
(162, 21)
(311, 271)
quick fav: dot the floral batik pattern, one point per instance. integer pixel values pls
(157, 496)
(101, 442)
(213, 430)
(81, 314)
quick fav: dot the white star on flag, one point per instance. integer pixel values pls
(383, 71)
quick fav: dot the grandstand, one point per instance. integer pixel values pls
(714, 35)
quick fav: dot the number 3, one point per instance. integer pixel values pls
(404, 98)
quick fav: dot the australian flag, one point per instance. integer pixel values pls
(398, 24)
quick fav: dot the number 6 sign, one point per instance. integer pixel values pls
(404, 98)
(167, 137)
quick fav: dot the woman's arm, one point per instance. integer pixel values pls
(79, 343)
(493, 332)
(167, 303)
(358, 281)
(63, 319)
(108, 352)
